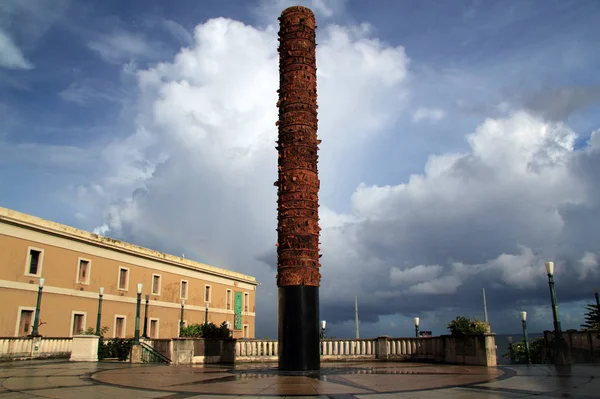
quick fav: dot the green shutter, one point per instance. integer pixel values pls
(237, 309)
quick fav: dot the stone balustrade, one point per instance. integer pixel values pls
(29, 348)
(260, 350)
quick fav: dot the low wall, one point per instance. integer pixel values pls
(202, 351)
(469, 350)
(34, 348)
(583, 346)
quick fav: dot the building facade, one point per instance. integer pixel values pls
(76, 264)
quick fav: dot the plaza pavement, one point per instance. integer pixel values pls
(382, 380)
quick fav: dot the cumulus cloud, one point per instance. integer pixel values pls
(198, 170)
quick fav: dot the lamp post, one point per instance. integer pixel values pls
(510, 350)
(36, 320)
(136, 337)
(559, 358)
(416, 319)
(525, 339)
(206, 315)
(181, 317)
(99, 318)
(323, 327)
(145, 335)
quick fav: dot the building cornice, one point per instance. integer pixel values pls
(23, 220)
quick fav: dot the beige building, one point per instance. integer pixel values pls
(75, 264)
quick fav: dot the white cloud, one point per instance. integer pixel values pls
(11, 56)
(433, 114)
(90, 90)
(121, 46)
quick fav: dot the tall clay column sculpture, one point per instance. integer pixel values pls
(298, 276)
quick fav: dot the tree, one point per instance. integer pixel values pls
(592, 318)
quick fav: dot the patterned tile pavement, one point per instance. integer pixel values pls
(381, 380)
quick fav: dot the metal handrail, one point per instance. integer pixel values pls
(154, 354)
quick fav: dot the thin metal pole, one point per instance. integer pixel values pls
(555, 315)
(181, 320)
(36, 319)
(145, 335)
(527, 352)
(416, 331)
(99, 318)
(485, 313)
(136, 338)
(356, 316)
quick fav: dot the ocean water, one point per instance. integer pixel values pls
(502, 343)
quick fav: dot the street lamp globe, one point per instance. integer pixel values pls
(549, 268)
(101, 290)
(416, 319)
(323, 324)
(139, 287)
(41, 282)
(523, 316)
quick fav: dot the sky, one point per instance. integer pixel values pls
(461, 146)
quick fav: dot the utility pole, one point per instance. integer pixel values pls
(485, 315)
(356, 315)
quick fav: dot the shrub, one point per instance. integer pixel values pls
(464, 326)
(209, 330)
(118, 347)
(516, 353)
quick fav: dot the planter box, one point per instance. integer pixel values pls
(84, 348)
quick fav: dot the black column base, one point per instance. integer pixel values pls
(299, 341)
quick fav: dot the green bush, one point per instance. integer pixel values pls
(209, 330)
(464, 326)
(516, 352)
(118, 347)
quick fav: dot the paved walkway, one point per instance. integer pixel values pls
(61, 379)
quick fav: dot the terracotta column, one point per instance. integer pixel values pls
(298, 276)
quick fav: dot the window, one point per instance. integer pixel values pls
(77, 323)
(123, 278)
(83, 271)
(153, 333)
(246, 302)
(119, 327)
(25, 322)
(228, 299)
(156, 284)
(33, 266)
(184, 289)
(207, 293)
(245, 334)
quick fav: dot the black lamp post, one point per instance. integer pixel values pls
(206, 315)
(181, 317)
(36, 319)
(559, 344)
(99, 318)
(323, 328)
(136, 337)
(145, 335)
(416, 320)
(525, 339)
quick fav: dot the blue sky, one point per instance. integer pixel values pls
(457, 146)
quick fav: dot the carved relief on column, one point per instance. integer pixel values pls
(297, 146)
